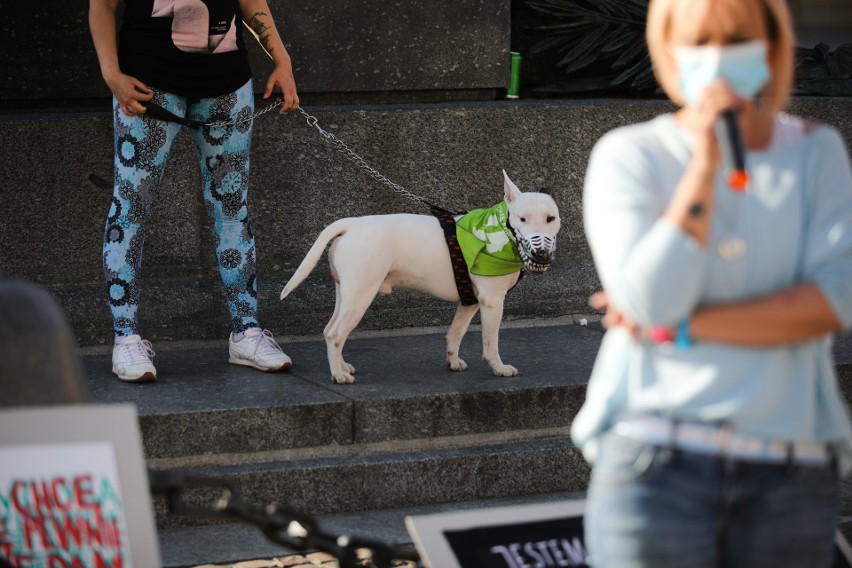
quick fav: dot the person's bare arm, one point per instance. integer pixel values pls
(128, 90)
(258, 17)
(797, 314)
(794, 315)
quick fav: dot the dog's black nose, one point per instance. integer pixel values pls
(541, 255)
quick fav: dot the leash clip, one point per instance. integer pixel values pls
(312, 121)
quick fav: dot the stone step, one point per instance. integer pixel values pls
(398, 479)
(201, 406)
(410, 432)
(192, 546)
(451, 154)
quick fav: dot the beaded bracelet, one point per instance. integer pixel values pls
(659, 335)
(682, 340)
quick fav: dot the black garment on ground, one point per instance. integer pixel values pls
(192, 48)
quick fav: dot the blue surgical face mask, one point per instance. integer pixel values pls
(742, 66)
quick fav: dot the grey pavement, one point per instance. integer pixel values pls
(404, 391)
(410, 437)
(361, 457)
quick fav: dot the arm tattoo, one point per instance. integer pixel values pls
(261, 30)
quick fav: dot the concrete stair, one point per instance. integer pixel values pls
(409, 436)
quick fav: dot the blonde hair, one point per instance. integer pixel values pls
(779, 30)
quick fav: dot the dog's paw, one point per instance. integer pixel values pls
(343, 378)
(505, 371)
(348, 368)
(457, 365)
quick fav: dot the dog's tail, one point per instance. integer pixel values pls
(327, 235)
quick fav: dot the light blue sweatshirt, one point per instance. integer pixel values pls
(795, 221)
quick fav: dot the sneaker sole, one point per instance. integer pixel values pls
(244, 363)
(144, 378)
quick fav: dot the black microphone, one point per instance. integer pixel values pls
(730, 143)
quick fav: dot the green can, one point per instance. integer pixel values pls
(515, 77)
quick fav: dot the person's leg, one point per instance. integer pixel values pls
(142, 148)
(650, 507)
(224, 156)
(781, 517)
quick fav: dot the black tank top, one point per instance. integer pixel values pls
(192, 48)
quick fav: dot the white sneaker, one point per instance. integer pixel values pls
(131, 359)
(258, 349)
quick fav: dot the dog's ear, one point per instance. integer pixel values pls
(510, 190)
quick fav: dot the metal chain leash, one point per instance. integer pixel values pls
(243, 120)
(159, 113)
(350, 155)
(281, 525)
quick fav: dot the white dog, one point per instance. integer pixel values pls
(377, 253)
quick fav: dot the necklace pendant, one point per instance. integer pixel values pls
(732, 248)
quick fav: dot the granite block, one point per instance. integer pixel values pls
(201, 406)
(56, 191)
(336, 47)
(399, 479)
(231, 543)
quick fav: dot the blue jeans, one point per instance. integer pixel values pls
(658, 507)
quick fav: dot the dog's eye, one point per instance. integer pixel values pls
(551, 218)
(523, 219)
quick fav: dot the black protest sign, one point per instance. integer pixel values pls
(540, 535)
(543, 544)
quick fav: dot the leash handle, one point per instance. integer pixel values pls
(156, 111)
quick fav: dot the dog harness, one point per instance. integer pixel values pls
(464, 284)
(460, 258)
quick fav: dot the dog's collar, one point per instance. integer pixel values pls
(510, 230)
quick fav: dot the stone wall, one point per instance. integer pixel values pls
(56, 191)
(354, 46)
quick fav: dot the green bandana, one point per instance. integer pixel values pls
(486, 243)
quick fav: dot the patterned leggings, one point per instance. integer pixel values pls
(142, 147)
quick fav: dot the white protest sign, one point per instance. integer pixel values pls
(74, 489)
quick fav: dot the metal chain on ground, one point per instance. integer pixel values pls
(281, 525)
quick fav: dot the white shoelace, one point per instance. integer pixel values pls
(265, 343)
(138, 352)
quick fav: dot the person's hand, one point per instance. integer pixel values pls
(282, 77)
(701, 116)
(129, 91)
(613, 317)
